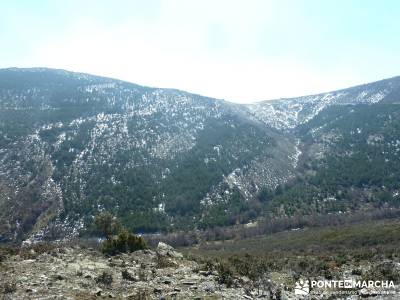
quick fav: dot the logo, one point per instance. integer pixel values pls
(302, 287)
(344, 287)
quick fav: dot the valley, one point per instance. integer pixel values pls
(74, 145)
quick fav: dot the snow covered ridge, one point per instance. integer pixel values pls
(286, 114)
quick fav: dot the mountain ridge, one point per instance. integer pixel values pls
(288, 113)
(83, 74)
(393, 78)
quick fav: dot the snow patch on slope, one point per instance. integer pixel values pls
(286, 114)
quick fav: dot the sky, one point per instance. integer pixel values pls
(238, 50)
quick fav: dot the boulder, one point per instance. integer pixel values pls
(164, 249)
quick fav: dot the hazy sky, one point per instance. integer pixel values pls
(236, 50)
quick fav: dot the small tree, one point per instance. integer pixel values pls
(107, 224)
(122, 243)
(118, 239)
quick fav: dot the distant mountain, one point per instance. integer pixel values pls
(73, 145)
(289, 113)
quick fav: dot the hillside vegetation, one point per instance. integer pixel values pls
(74, 145)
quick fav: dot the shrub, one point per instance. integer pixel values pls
(105, 278)
(9, 287)
(357, 272)
(107, 225)
(6, 251)
(122, 243)
(32, 251)
(118, 239)
(225, 274)
(383, 271)
(127, 276)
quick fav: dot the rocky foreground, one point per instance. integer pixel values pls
(76, 273)
(84, 273)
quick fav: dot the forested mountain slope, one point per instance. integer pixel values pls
(73, 145)
(351, 162)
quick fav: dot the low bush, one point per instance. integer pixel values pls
(6, 251)
(357, 272)
(105, 278)
(384, 271)
(32, 251)
(127, 275)
(122, 243)
(225, 274)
